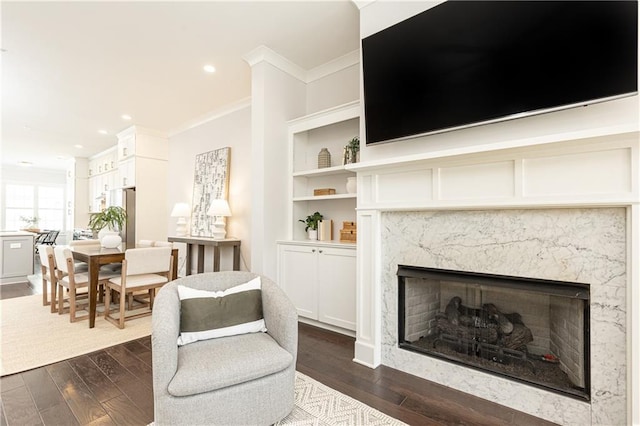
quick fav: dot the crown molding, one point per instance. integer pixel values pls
(363, 3)
(338, 64)
(212, 115)
(264, 54)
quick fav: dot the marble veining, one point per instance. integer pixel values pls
(586, 245)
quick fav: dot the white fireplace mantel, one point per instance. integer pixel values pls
(576, 171)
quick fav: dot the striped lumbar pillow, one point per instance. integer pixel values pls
(211, 314)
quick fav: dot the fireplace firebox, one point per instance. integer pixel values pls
(530, 330)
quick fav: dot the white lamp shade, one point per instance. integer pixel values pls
(181, 210)
(219, 207)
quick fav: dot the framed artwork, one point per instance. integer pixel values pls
(211, 181)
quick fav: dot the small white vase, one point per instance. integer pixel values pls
(352, 185)
(109, 238)
(312, 234)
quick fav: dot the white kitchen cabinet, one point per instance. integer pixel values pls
(320, 279)
(126, 146)
(143, 155)
(127, 173)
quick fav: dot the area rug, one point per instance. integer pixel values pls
(319, 405)
(32, 336)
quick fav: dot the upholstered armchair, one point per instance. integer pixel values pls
(243, 379)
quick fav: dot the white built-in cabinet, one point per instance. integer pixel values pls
(102, 172)
(142, 157)
(140, 161)
(320, 281)
(320, 276)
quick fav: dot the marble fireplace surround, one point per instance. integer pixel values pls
(579, 245)
(562, 211)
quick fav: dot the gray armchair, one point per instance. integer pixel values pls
(246, 379)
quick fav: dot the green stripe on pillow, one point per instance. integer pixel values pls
(210, 313)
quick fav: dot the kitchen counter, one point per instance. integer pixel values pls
(17, 256)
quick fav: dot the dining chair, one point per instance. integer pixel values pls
(140, 296)
(143, 269)
(46, 237)
(71, 281)
(49, 274)
(50, 238)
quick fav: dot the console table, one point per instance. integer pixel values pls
(201, 242)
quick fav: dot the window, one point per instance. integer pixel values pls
(51, 207)
(20, 203)
(44, 202)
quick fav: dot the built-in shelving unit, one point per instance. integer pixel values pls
(320, 276)
(331, 129)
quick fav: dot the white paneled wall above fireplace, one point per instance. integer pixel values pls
(596, 174)
(593, 170)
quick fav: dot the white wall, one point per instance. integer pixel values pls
(276, 98)
(233, 130)
(334, 89)
(29, 175)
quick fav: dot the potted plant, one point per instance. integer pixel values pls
(352, 151)
(311, 223)
(108, 223)
(31, 223)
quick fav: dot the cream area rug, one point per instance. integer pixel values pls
(319, 405)
(32, 336)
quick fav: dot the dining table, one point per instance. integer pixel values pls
(95, 257)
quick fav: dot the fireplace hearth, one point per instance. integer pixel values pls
(532, 331)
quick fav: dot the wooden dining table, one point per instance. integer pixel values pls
(95, 257)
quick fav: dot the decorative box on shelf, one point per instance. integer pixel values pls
(325, 230)
(349, 232)
(324, 191)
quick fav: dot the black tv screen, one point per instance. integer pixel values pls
(464, 63)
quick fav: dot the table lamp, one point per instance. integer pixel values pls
(181, 211)
(219, 208)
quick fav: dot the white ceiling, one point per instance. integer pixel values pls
(70, 69)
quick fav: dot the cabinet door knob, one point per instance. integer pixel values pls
(319, 251)
(313, 250)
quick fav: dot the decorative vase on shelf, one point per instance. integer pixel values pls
(312, 234)
(352, 185)
(324, 158)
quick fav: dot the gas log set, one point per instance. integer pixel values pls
(484, 332)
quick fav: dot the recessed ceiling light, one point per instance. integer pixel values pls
(78, 146)
(25, 163)
(126, 117)
(102, 132)
(209, 68)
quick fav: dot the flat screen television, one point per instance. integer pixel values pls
(464, 63)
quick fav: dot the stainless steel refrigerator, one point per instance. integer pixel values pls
(126, 198)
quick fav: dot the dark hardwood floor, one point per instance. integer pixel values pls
(114, 386)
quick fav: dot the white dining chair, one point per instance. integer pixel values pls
(71, 281)
(143, 269)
